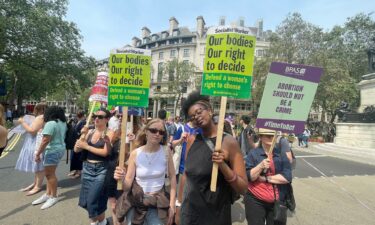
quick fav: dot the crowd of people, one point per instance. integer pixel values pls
(167, 175)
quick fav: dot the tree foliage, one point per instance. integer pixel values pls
(180, 77)
(341, 52)
(39, 50)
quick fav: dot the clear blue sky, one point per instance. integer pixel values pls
(108, 24)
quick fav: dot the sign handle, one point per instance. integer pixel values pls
(270, 151)
(123, 145)
(219, 138)
(131, 143)
(83, 136)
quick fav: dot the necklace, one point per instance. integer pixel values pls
(150, 157)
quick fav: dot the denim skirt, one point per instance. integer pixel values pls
(93, 196)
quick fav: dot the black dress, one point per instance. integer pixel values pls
(111, 183)
(200, 206)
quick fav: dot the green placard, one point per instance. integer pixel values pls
(129, 78)
(228, 64)
(96, 106)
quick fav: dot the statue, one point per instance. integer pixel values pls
(371, 62)
(341, 111)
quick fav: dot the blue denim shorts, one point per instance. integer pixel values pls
(52, 158)
(93, 196)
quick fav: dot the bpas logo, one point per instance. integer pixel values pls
(295, 70)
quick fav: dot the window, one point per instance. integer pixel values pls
(185, 61)
(187, 40)
(161, 55)
(173, 53)
(173, 41)
(243, 106)
(175, 33)
(186, 52)
(260, 52)
(184, 89)
(160, 72)
(216, 105)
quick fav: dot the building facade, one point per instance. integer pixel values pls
(185, 45)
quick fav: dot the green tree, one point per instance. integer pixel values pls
(39, 49)
(340, 52)
(358, 36)
(180, 76)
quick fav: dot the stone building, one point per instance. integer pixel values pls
(185, 45)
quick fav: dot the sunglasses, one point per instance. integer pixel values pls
(98, 116)
(198, 112)
(154, 131)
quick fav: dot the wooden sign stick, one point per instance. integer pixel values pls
(219, 138)
(83, 136)
(123, 146)
(270, 151)
(132, 131)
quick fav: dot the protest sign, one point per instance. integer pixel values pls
(100, 89)
(287, 97)
(227, 72)
(129, 84)
(129, 77)
(97, 97)
(228, 63)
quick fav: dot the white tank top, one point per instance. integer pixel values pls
(150, 169)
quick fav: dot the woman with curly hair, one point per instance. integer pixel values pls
(53, 148)
(198, 204)
(3, 130)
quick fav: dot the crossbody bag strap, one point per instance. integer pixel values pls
(165, 149)
(210, 144)
(190, 141)
(274, 192)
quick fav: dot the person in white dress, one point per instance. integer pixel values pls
(33, 124)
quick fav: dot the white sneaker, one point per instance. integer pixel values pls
(41, 199)
(104, 222)
(50, 202)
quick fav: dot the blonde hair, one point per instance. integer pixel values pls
(141, 137)
(39, 109)
(2, 115)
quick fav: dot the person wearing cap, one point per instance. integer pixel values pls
(268, 170)
(200, 206)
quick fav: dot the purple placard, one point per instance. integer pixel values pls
(285, 126)
(301, 72)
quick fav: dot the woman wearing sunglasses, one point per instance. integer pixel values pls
(198, 204)
(267, 173)
(96, 149)
(148, 166)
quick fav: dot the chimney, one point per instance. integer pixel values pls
(173, 24)
(222, 21)
(145, 32)
(259, 25)
(134, 41)
(241, 21)
(200, 25)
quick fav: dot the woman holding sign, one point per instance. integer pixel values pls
(268, 171)
(198, 204)
(96, 150)
(147, 201)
